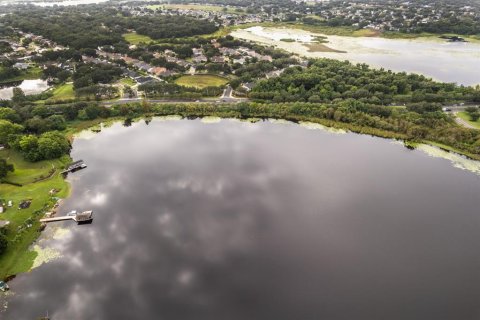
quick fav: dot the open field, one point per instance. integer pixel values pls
(24, 225)
(466, 117)
(28, 172)
(135, 38)
(201, 81)
(320, 47)
(127, 81)
(62, 92)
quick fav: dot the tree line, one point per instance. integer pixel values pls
(89, 27)
(328, 80)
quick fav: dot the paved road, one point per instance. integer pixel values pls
(457, 108)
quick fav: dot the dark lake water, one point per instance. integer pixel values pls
(265, 221)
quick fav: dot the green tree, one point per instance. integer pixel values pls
(18, 95)
(28, 146)
(474, 116)
(5, 168)
(9, 114)
(3, 243)
(7, 128)
(473, 112)
(56, 122)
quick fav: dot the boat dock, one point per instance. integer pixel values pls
(80, 218)
(54, 219)
(74, 166)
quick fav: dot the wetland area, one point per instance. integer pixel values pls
(433, 57)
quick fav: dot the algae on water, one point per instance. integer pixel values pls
(458, 161)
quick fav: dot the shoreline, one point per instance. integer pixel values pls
(356, 33)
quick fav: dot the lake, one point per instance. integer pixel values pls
(444, 61)
(28, 87)
(269, 220)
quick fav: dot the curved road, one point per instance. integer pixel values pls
(462, 122)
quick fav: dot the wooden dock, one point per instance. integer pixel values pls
(54, 219)
(75, 166)
(80, 218)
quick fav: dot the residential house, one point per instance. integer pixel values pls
(199, 59)
(248, 86)
(21, 66)
(218, 59)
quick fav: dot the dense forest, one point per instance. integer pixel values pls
(88, 27)
(330, 80)
(163, 27)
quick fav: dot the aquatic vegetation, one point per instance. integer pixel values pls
(44, 255)
(280, 121)
(458, 161)
(86, 134)
(318, 126)
(169, 118)
(211, 119)
(61, 233)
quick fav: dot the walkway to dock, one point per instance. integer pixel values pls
(58, 219)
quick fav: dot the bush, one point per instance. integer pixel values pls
(3, 243)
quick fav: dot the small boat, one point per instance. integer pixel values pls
(4, 286)
(80, 167)
(84, 217)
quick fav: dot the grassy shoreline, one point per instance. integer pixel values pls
(29, 181)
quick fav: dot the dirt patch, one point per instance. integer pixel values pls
(320, 47)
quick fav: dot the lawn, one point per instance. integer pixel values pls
(135, 38)
(201, 81)
(466, 117)
(28, 172)
(24, 225)
(128, 82)
(63, 92)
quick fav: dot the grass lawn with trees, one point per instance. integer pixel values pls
(135, 38)
(31, 73)
(37, 179)
(465, 116)
(201, 81)
(127, 81)
(63, 92)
